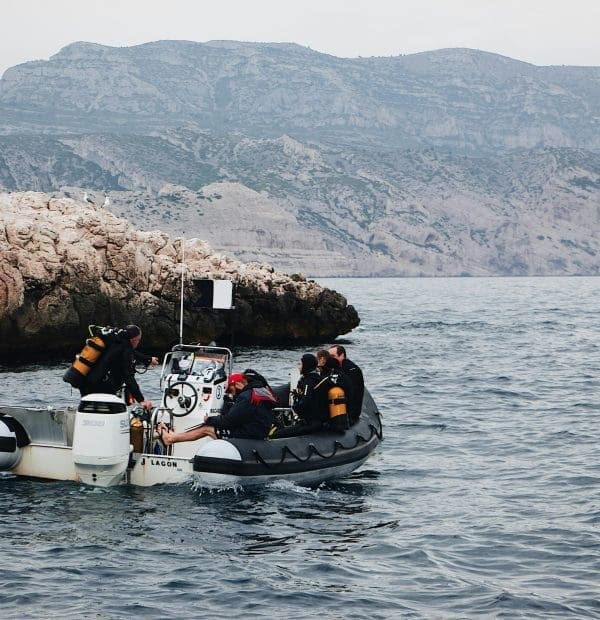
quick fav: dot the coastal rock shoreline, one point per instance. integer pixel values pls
(65, 265)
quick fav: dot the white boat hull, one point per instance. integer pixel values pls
(102, 443)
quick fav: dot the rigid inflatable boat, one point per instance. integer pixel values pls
(104, 443)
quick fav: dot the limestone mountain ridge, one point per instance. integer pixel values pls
(451, 162)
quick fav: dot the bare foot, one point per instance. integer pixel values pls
(166, 435)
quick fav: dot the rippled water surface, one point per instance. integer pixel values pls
(482, 501)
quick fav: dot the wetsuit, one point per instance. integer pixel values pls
(250, 417)
(115, 369)
(307, 405)
(335, 378)
(357, 389)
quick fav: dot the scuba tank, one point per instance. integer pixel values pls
(88, 357)
(136, 434)
(84, 361)
(338, 412)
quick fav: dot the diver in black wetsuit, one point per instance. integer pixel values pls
(117, 368)
(357, 382)
(310, 404)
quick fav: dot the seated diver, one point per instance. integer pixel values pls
(309, 404)
(250, 416)
(322, 357)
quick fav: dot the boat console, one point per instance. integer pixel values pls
(193, 383)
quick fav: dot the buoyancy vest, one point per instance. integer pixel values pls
(263, 396)
(306, 400)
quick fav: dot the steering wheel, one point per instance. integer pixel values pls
(185, 395)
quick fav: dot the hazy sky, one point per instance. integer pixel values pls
(538, 31)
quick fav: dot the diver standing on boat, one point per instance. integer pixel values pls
(117, 368)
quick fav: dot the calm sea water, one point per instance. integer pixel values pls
(482, 502)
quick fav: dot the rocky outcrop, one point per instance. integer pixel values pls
(65, 265)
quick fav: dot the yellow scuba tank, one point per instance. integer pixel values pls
(85, 361)
(136, 434)
(338, 412)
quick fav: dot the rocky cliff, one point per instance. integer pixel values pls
(65, 265)
(453, 162)
(325, 211)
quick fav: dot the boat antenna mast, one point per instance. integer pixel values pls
(181, 292)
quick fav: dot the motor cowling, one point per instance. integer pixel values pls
(101, 445)
(10, 451)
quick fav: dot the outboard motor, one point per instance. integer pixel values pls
(101, 440)
(10, 450)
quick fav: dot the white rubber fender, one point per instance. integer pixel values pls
(10, 453)
(219, 449)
